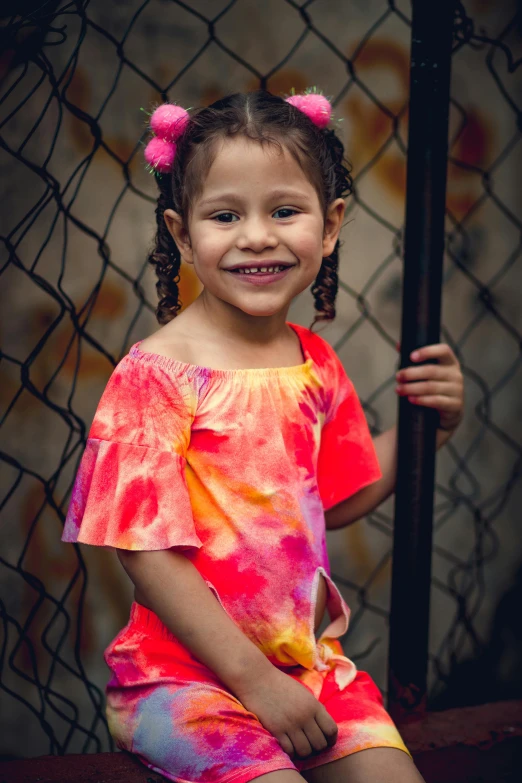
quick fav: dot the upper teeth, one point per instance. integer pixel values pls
(250, 270)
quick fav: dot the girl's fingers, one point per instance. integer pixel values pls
(428, 371)
(300, 743)
(440, 351)
(286, 744)
(315, 736)
(327, 725)
(437, 383)
(447, 390)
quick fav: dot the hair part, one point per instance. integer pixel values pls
(268, 120)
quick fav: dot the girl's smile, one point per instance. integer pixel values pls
(261, 275)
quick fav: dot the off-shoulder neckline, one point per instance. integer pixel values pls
(175, 365)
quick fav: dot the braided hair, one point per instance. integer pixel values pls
(267, 119)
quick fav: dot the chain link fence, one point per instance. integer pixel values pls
(76, 224)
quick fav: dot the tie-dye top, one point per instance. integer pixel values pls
(235, 468)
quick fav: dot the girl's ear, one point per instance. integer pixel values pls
(332, 225)
(179, 234)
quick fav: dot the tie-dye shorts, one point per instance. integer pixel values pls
(179, 719)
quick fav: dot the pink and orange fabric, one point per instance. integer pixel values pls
(235, 468)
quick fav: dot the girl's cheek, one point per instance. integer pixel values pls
(313, 233)
(209, 244)
(308, 240)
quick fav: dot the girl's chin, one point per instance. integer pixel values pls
(257, 300)
(262, 302)
(262, 312)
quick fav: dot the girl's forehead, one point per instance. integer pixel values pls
(241, 162)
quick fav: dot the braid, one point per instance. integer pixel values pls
(326, 284)
(165, 258)
(324, 288)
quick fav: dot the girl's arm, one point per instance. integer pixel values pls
(438, 386)
(177, 593)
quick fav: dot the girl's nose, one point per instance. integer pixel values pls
(256, 235)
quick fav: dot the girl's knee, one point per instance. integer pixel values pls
(380, 765)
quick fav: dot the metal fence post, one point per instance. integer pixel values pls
(431, 41)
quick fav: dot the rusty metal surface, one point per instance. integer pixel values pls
(479, 727)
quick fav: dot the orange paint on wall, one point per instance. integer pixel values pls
(369, 130)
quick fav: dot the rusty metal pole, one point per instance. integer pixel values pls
(431, 41)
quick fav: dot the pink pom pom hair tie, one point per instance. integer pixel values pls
(160, 154)
(167, 122)
(314, 105)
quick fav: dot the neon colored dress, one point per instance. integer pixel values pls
(235, 468)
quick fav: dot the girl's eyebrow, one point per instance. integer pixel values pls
(275, 194)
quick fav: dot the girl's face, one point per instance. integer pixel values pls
(257, 208)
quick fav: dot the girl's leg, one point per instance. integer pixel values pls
(375, 765)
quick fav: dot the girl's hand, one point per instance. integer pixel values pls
(438, 386)
(289, 711)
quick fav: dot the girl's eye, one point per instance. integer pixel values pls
(224, 217)
(229, 217)
(288, 210)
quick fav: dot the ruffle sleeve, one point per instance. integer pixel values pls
(347, 460)
(130, 491)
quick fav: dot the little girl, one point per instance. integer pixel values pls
(224, 445)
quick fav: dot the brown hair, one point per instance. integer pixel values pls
(267, 119)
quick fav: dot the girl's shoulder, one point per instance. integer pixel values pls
(145, 401)
(319, 349)
(335, 381)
